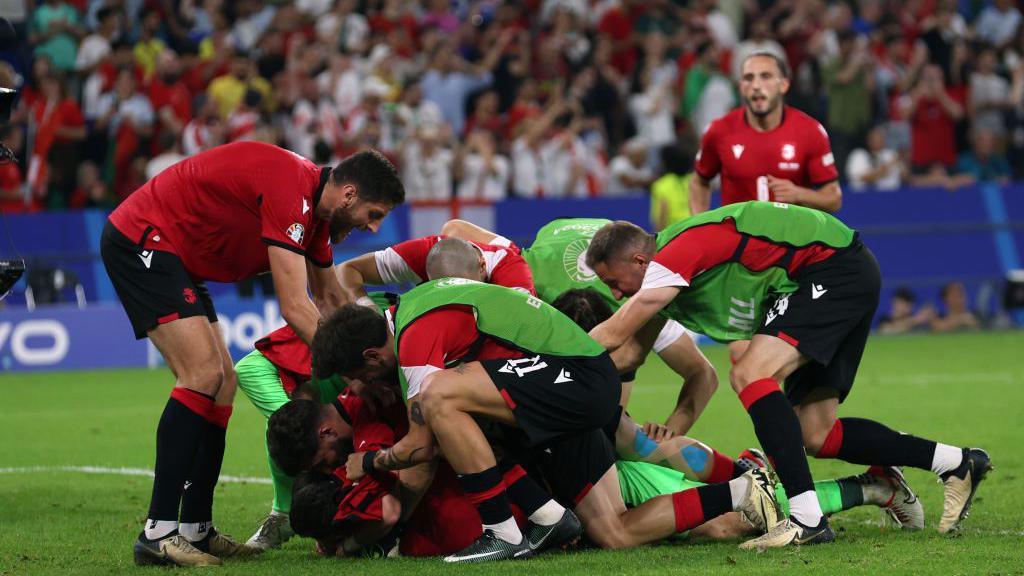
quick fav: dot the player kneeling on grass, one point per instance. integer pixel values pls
(889, 491)
(814, 318)
(526, 366)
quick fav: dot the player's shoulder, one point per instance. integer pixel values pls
(800, 120)
(728, 122)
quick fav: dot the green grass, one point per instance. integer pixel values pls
(963, 390)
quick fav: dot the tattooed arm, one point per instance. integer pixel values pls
(416, 447)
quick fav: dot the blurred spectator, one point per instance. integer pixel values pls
(427, 165)
(989, 94)
(998, 23)
(956, 315)
(149, 45)
(91, 191)
(450, 79)
(707, 93)
(96, 46)
(932, 113)
(205, 130)
(343, 82)
(983, 162)
(127, 118)
(413, 111)
(670, 194)
(848, 84)
(877, 166)
(253, 19)
(630, 173)
(58, 130)
(170, 156)
(902, 317)
(482, 173)
(246, 119)
(940, 32)
(721, 27)
(228, 90)
(344, 28)
(55, 33)
(12, 193)
(169, 97)
(485, 115)
(652, 110)
(760, 40)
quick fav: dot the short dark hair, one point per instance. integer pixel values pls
(315, 498)
(373, 175)
(614, 238)
(779, 61)
(676, 161)
(905, 293)
(340, 340)
(585, 306)
(291, 435)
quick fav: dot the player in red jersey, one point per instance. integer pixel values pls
(766, 150)
(224, 215)
(282, 360)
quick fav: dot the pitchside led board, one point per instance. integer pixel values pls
(99, 336)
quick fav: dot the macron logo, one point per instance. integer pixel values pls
(817, 291)
(737, 150)
(563, 377)
(147, 257)
(305, 206)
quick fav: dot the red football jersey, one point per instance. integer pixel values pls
(797, 150)
(220, 209)
(406, 262)
(442, 337)
(402, 263)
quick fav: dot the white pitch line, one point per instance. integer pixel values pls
(122, 472)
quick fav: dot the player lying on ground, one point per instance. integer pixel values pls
(557, 260)
(225, 215)
(885, 488)
(282, 361)
(825, 286)
(526, 366)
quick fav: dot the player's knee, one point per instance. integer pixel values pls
(206, 378)
(391, 511)
(611, 537)
(814, 436)
(741, 376)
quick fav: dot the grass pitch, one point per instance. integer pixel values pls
(960, 389)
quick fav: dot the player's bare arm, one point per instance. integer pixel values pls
(323, 284)
(700, 194)
(467, 231)
(289, 272)
(354, 274)
(416, 447)
(628, 320)
(699, 383)
(828, 198)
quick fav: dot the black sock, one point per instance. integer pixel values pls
(778, 430)
(861, 441)
(487, 492)
(696, 506)
(522, 490)
(851, 494)
(178, 437)
(197, 500)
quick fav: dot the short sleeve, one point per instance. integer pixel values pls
(513, 272)
(709, 164)
(284, 214)
(405, 261)
(821, 164)
(320, 252)
(691, 253)
(425, 345)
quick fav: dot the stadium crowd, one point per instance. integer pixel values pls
(485, 99)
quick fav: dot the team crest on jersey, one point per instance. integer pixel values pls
(455, 282)
(296, 232)
(575, 261)
(788, 151)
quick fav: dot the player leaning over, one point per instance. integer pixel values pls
(225, 215)
(269, 374)
(557, 259)
(813, 336)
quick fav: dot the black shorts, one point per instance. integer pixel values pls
(572, 465)
(555, 396)
(153, 285)
(828, 320)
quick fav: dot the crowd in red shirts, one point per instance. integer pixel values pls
(486, 99)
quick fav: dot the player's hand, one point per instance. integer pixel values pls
(784, 190)
(658, 432)
(354, 466)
